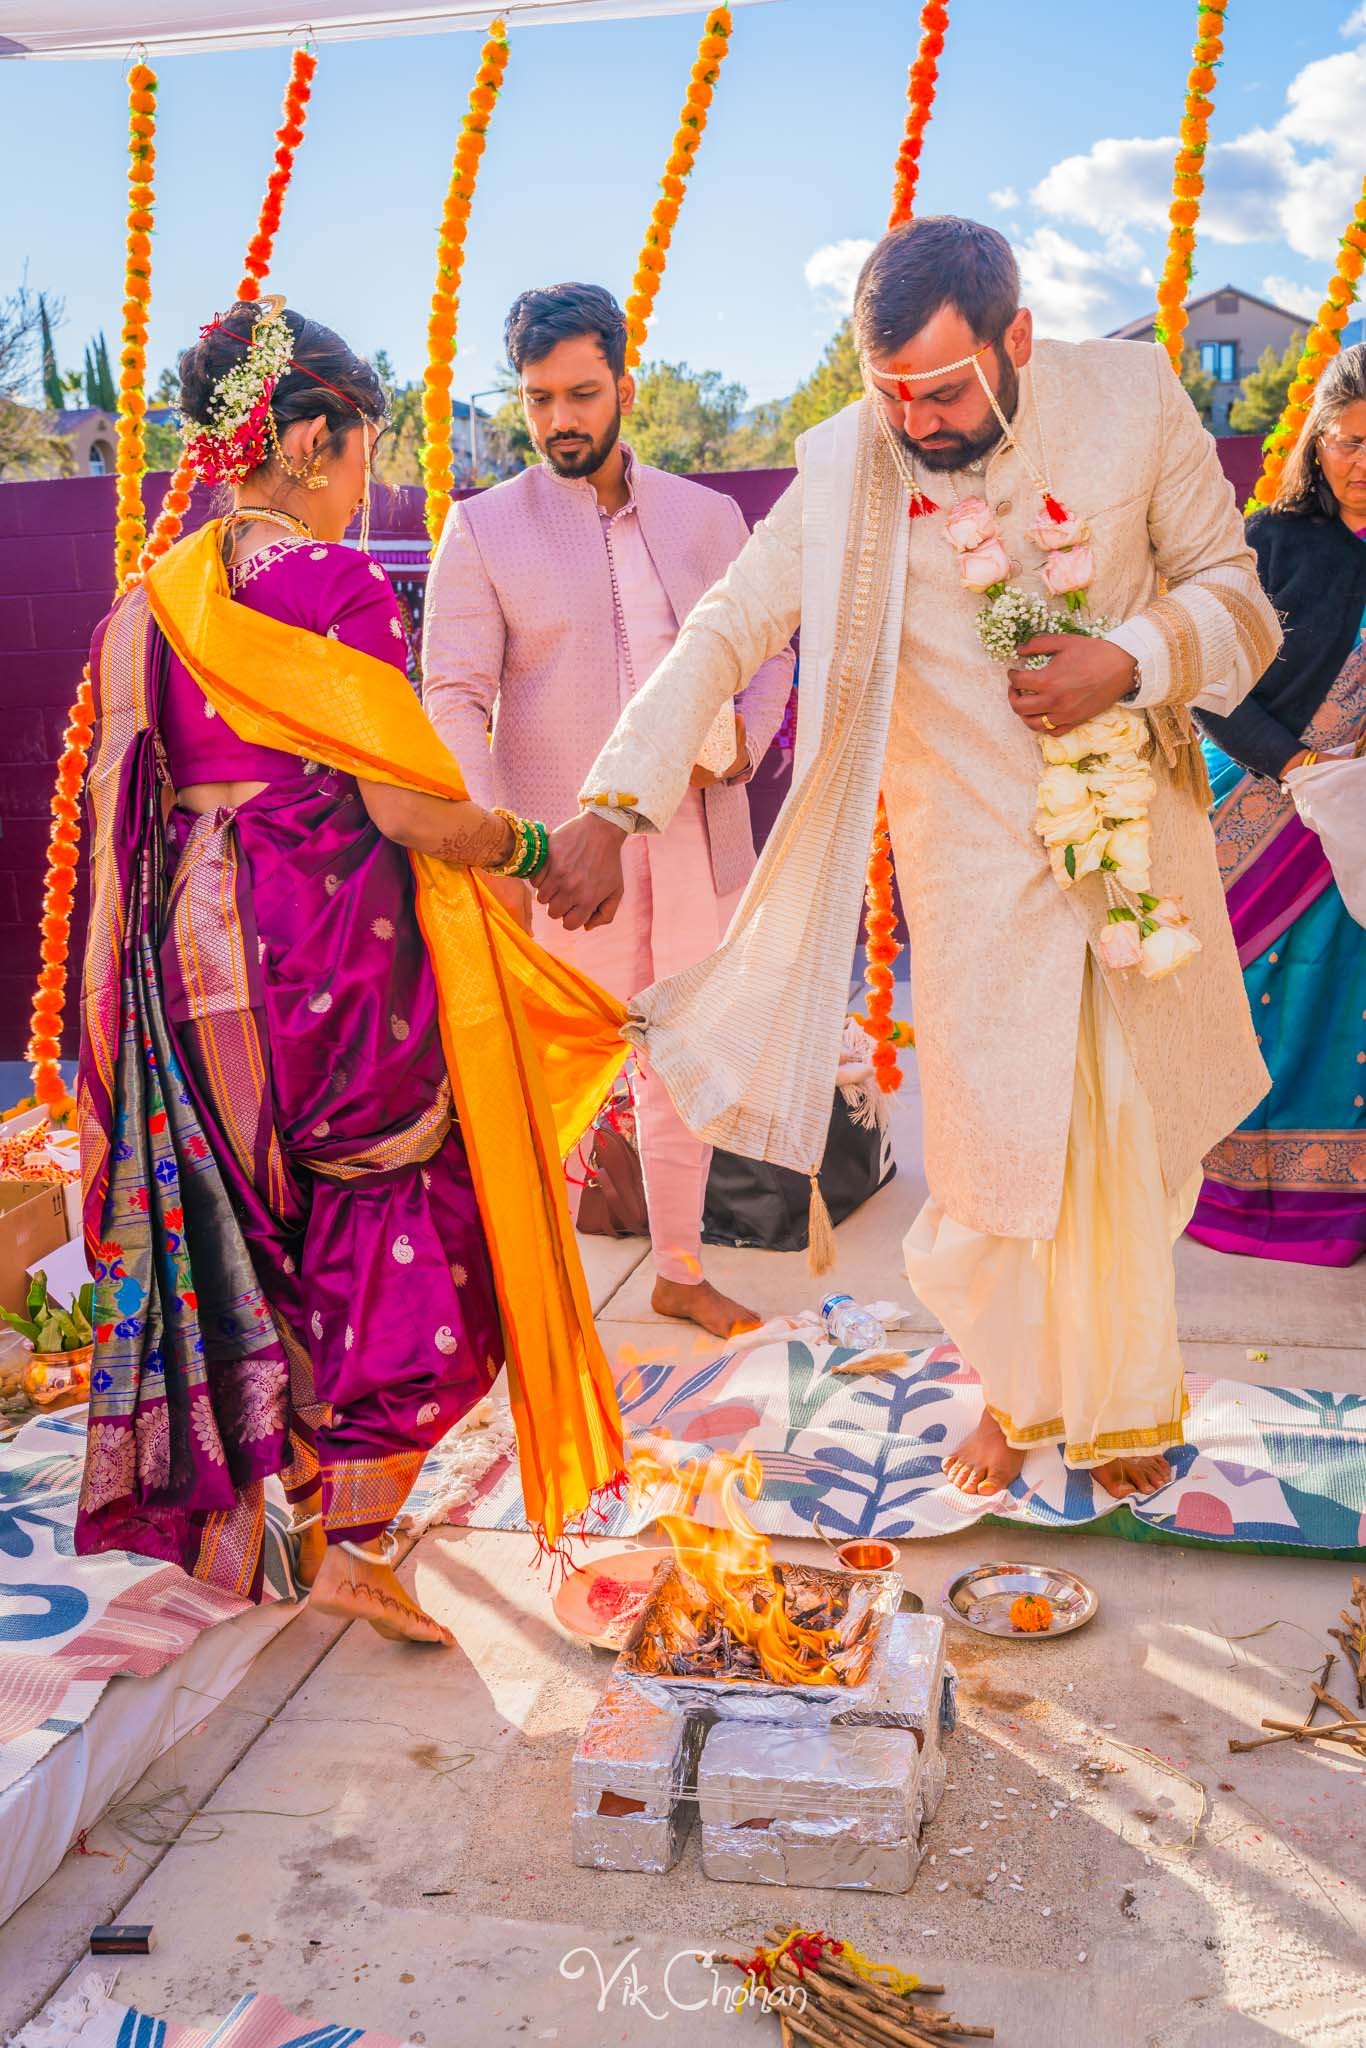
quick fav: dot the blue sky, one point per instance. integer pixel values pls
(1053, 122)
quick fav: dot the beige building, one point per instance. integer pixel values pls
(1228, 330)
(92, 435)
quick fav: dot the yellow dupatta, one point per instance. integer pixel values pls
(531, 1046)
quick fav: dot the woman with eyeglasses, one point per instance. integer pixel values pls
(1290, 1183)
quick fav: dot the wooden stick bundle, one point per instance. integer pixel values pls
(844, 2010)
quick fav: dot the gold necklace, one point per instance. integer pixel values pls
(244, 514)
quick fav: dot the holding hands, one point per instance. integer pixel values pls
(581, 884)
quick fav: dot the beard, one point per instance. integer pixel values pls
(571, 457)
(958, 450)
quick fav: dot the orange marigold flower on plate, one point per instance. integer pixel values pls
(1031, 1614)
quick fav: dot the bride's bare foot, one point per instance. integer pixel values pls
(361, 1584)
(985, 1463)
(310, 1536)
(1124, 1477)
(705, 1305)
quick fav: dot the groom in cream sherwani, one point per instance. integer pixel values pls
(1069, 1100)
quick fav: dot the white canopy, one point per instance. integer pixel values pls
(169, 28)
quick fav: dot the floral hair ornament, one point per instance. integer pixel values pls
(238, 432)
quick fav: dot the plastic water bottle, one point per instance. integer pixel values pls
(850, 1326)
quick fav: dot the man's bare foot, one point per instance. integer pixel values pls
(366, 1589)
(312, 1540)
(985, 1463)
(704, 1305)
(1123, 1477)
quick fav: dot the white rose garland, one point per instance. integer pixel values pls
(1093, 797)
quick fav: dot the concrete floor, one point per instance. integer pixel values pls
(380, 1836)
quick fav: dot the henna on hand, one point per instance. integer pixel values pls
(484, 843)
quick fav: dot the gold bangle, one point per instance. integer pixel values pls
(519, 842)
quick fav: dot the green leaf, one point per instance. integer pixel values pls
(1109, 866)
(37, 1296)
(1120, 913)
(85, 1301)
(81, 1325)
(1147, 927)
(1069, 861)
(50, 1338)
(21, 1324)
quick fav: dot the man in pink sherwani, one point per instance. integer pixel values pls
(553, 597)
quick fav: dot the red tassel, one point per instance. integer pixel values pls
(921, 507)
(1056, 512)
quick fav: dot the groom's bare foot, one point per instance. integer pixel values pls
(1124, 1477)
(704, 1305)
(985, 1463)
(367, 1589)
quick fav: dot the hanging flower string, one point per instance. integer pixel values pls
(1188, 181)
(1322, 343)
(63, 855)
(256, 268)
(920, 90)
(130, 518)
(437, 454)
(883, 946)
(882, 950)
(64, 842)
(288, 136)
(711, 54)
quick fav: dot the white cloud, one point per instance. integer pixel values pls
(1074, 292)
(1296, 298)
(1355, 24)
(832, 272)
(1007, 200)
(1296, 181)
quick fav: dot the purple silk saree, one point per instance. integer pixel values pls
(292, 1274)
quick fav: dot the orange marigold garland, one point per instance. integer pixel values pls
(256, 268)
(437, 455)
(63, 855)
(920, 90)
(130, 519)
(711, 54)
(288, 136)
(1322, 343)
(1188, 181)
(64, 843)
(883, 946)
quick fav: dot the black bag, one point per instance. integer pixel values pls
(750, 1203)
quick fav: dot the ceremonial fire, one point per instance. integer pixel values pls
(726, 1611)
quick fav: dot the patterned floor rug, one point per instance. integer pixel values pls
(69, 1625)
(88, 2017)
(1263, 1468)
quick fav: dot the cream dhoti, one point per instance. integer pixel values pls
(1074, 1336)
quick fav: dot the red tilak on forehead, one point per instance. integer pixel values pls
(903, 379)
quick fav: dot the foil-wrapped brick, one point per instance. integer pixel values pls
(821, 1855)
(861, 1781)
(634, 1749)
(646, 1842)
(913, 1690)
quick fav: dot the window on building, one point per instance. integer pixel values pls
(1220, 358)
(101, 458)
(1227, 302)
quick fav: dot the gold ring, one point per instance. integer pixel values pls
(1049, 723)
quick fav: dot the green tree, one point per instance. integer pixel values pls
(1266, 389)
(28, 445)
(53, 390)
(683, 418)
(396, 459)
(1199, 383)
(509, 422)
(99, 378)
(769, 439)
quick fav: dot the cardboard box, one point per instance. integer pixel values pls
(32, 1224)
